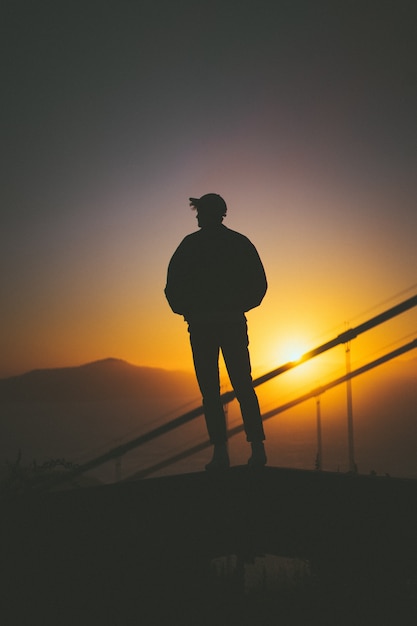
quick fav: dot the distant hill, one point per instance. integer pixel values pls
(108, 379)
(79, 412)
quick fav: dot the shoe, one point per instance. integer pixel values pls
(258, 458)
(220, 460)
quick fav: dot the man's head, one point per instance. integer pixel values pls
(211, 209)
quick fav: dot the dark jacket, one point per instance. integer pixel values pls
(215, 271)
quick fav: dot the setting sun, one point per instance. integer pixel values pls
(292, 349)
(292, 344)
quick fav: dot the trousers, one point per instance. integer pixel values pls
(231, 337)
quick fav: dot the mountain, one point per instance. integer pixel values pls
(108, 379)
(77, 413)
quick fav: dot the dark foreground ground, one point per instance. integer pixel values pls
(142, 553)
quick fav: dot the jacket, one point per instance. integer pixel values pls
(215, 272)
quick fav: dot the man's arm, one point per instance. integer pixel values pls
(176, 285)
(255, 279)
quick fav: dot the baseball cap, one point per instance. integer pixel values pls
(210, 201)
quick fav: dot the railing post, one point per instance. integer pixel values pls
(352, 464)
(319, 459)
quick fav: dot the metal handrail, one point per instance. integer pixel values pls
(314, 393)
(227, 397)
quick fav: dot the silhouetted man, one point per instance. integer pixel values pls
(214, 277)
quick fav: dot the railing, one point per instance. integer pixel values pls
(343, 338)
(314, 393)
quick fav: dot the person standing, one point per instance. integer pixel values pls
(214, 277)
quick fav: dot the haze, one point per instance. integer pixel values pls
(301, 114)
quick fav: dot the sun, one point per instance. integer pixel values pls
(292, 349)
(289, 349)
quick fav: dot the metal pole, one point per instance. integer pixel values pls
(352, 464)
(319, 461)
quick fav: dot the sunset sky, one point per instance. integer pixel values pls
(301, 114)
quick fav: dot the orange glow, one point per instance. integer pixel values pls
(292, 348)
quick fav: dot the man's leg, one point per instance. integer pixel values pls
(205, 349)
(236, 355)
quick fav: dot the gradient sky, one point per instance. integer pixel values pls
(302, 114)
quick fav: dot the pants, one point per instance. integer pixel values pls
(207, 338)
